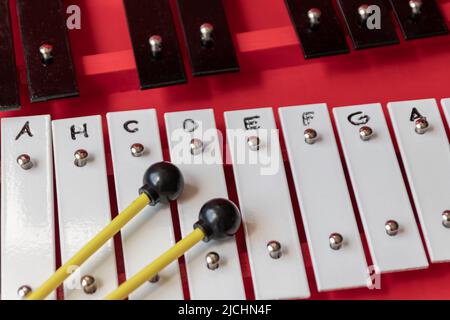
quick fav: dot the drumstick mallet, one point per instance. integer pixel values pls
(218, 219)
(163, 182)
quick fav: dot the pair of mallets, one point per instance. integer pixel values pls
(163, 182)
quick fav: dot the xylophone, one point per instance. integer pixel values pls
(343, 182)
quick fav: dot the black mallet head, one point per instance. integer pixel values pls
(219, 219)
(163, 182)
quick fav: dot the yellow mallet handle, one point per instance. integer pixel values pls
(90, 248)
(157, 265)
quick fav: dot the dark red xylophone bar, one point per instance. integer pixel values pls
(9, 88)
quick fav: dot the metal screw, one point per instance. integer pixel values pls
(88, 284)
(81, 157)
(155, 42)
(446, 218)
(416, 6)
(196, 146)
(391, 227)
(421, 125)
(206, 32)
(253, 143)
(311, 136)
(363, 12)
(46, 51)
(365, 133)
(212, 260)
(23, 291)
(314, 15)
(274, 248)
(24, 161)
(137, 150)
(336, 240)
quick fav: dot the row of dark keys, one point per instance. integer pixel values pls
(51, 72)
(49, 63)
(369, 23)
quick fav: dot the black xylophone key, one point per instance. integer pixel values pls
(49, 64)
(211, 49)
(9, 87)
(155, 43)
(317, 27)
(369, 23)
(419, 18)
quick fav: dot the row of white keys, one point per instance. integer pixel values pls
(426, 157)
(151, 231)
(28, 227)
(202, 168)
(379, 189)
(324, 198)
(266, 205)
(83, 203)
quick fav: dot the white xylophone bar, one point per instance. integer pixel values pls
(446, 106)
(204, 180)
(426, 158)
(83, 203)
(28, 226)
(151, 231)
(266, 206)
(325, 202)
(379, 189)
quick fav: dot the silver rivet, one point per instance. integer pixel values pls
(155, 279)
(23, 291)
(446, 218)
(311, 136)
(155, 42)
(81, 158)
(253, 143)
(24, 161)
(416, 6)
(206, 32)
(421, 125)
(88, 284)
(365, 133)
(137, 150)
(274, 248)
(212, 260)
(363, 11)
(336, 240)
(391, 227)
(196, 146)
(314, 15)
(46, 51)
